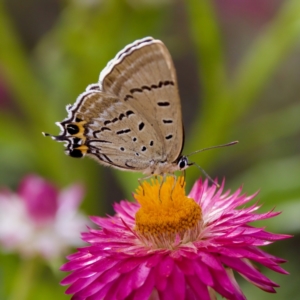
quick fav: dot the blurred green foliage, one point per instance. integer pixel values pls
(246, 92)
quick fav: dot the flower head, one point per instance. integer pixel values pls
(39, 219)
(170, 246)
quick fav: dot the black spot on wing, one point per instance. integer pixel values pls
(72, 129)
(148, 88)
(167, 121)
(163, 103)
(135, 90)
(129, 113)
(145, 87)
(105, 129)
(76, 153)
(123, 131)
(141, 126)
(128, 97)
(99, 141)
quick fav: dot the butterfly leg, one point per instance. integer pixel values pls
(161, 184)
(140, 184)
(174, 184)
(144, 178)
(183, 175)
(207, 176)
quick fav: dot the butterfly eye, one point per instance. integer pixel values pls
(72, 129)
(76, 153)
(183, 163)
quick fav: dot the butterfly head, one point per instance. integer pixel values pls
(73, 135)
(183, 163)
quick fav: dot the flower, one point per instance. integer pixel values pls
(256, 10)
(40, 220)
(171, 246)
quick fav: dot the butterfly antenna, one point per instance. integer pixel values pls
(206, 175)
(213, 147)
(204, 149)
(54, 137)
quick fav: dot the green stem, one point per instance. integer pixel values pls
(24, 279)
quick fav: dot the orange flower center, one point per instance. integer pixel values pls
(166, 213)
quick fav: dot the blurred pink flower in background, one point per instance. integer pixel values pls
(39, 219)
(258, 9)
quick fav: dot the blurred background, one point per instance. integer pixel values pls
(238, 67)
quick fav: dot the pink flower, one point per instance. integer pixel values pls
(170, 246)
(39, 219)
(256, 10)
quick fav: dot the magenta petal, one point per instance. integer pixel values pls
(248, 271)
(81, 283)
(133, 280)
(177, 284)
(199, 289)
(84, 273)
(224, 286)
(141, 274)
(75, 297)
(210, 260)
(197, 190)
(153, 260)
(89, 286)
(126, 210)
(190, 294)
(130, 264)
(202, 273)
(127, 283)
(110, 274)
(161, 281)
(85, 260)
(106, 279)
(175, 288)
(186, 266)
(40, 198)
(101, 294)
(146, 289)
(163, 271)
(116, 288)
(166, 266)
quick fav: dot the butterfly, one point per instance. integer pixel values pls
(131, 119)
